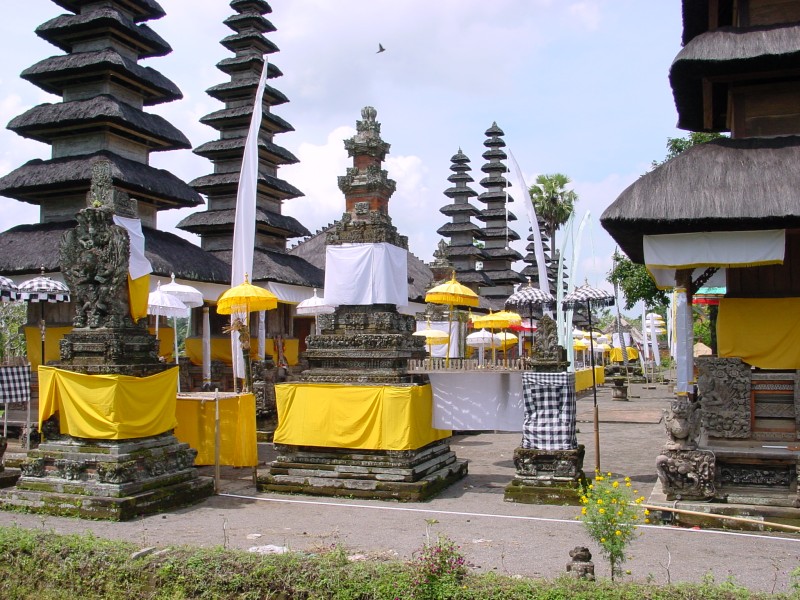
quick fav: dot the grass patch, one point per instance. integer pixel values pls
(46, 566)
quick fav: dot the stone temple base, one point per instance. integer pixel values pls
(547, 476)
(407, 475)
(107, 479)
(8, 477)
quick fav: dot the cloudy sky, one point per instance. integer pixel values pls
(579, 87)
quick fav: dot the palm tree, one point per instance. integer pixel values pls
(553, 203)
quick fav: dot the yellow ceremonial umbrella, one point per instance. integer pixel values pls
(433, 337)
(498, 320)
(452, 294)
(245, 298)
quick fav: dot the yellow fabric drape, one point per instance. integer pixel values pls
(763, 332)
(33, 343)
(356, 417)
(221, 349)
(237, 424)
(108, 407)
(583, 378)
(138, 292)
(166, 342)
(616, 354)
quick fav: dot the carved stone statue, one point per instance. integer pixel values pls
(723, 386)
(581, 565)
(682, 422)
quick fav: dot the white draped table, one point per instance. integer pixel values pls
(477, 400)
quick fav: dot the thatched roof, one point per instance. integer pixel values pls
(212, 220)
(37, 180)
(728, 52)
(470, 250)
(233, 148)
(722, 185)
(54, 73)
(500, 232)
(222, 183)
(25, 249)
(259, 6)
(502, 276)
(245, 62)
(67, 30)
(493, 195)
(142, 10)
(245, 88)
(495, 253)
(241, 116)
(257, 22)
(497, 213)
(463, 207)
(448, 229)
(48, 122)
(419, 274)
(281, 267)
(249, 40)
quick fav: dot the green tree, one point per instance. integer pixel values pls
(635, 282)
(677, 145)
(12, 317)
(552, 201)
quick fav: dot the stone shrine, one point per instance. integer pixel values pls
(363, 345)
(115, 479)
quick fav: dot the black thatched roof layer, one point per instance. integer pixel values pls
(37, 180)
(469, 250)
(233, 148)
(25, 249)
(258, 6)
(249, 41)
(245, 62)
(478, 277)
(281, 267)
(722, 185)
(729, 52)
(241, 116)
(225, 182)
(49, 122)
(500, 232)
(448, 229)
(211, 220)
(494, 253)
(142, 10)
(464, 207)
(251, 20)
(54, 73)
(496, 213)
(245, 89)
(503, 276)
(67, 30)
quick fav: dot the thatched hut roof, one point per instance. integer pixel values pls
(25, 249)
(67, 30)
(448, 229)
(47, 122)
(37, 180)
(142, 10)
(245, 88)
(256, 22)
(463, 207)
(248, 62)
(281, 267)
(249, 40)
(240, 116)
(728, 52)
(233, 148)
(260, 6)
(211, 220)
(722, 185)
(54, 73)
(224, 183)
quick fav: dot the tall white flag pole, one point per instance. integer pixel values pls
(244, 229)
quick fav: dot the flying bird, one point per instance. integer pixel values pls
(380, 49)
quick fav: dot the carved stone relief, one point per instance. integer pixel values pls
(724, 394)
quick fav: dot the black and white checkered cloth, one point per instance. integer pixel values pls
(15, 386)
(550, 411)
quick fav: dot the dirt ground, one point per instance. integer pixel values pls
(516, 539)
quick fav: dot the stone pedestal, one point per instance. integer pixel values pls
(111, 351)
(7, 477)
(619, 392)
(106, 479)
(547, 476)
(686, 474)
(407, 475)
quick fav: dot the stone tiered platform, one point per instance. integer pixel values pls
(106, 479)
(407, 475)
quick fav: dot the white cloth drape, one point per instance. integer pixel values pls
(477, 401)
(138, 265)
(359, 274)
(683, 322)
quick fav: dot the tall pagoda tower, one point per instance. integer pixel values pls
(215, 225)
(462, 252)
(499, 256)
(101, 116)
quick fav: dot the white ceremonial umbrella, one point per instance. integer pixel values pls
(166, 305)
(480, 340)
(191, 298)
(315, 305)
(9, 292)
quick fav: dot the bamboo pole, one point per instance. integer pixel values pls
(683, 511)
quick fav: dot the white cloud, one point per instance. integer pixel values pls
(586, 13)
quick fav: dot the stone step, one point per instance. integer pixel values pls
(367, 458)
(344, 471)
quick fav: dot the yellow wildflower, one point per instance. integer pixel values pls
(617, 532)
(647, 520)
(602, 540)
(628, 484)
(583, 510)
(602, 511)
(627, 479)
(599, 500)
(615, 484)
(646, 512)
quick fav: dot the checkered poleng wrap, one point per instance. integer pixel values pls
(550, 411)
(15, 386)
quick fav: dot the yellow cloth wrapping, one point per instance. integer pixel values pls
(166, 342)
(33, 343)
(370, 417)
(763, 332)
(221, 349)
(237, 425)
(616, 354)
(138, 292)
(108, 407)
(583, 378)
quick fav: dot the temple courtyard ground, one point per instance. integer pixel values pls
(508, 538)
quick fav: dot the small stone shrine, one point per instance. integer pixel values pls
(363, 344)
(549, 462)
(115, 479)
